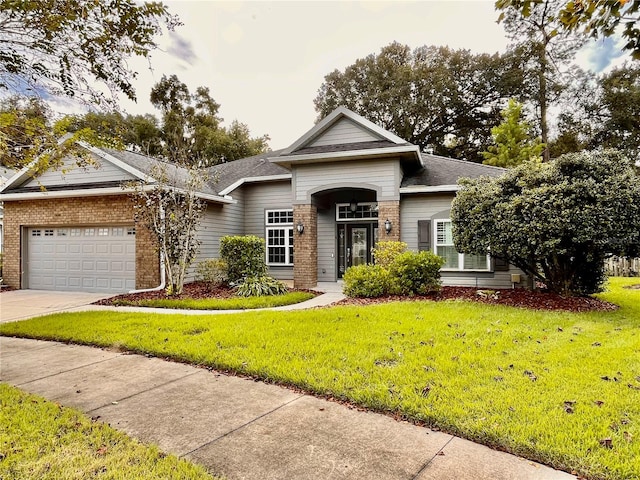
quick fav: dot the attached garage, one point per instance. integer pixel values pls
(93, 258)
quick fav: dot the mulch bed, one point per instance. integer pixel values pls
(194, 290)
(519, 297)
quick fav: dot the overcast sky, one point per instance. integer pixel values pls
(264, 61)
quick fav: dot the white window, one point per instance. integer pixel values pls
(75, 232)
(279, 237)
(48, 233)
(353, 211)
(62, 232)
(103, 232)
(131, 231)
(36, 233)
(453, 260)
(89, 232)
(117, 231)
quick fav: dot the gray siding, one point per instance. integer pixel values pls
(424, 207)
(327, 245)
(344, 131)
(71, 174)
(258, 198)
(383, 175)
(218, 221)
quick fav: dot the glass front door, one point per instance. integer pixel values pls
(354, 245)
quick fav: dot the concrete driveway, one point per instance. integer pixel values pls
(21, 304)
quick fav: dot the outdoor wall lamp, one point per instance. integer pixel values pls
(300, 228)
(387, 226)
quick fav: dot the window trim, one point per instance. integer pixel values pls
(356, 219)
(287, 227)
(460, 255)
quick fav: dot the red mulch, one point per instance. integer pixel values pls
(519, 297)
(194, 290)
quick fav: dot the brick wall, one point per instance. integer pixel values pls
(305, 247)
(111, 210)
(389, 210)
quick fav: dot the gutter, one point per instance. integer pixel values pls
(430, 189)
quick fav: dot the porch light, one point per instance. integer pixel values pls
(300, 228)
(387, 226)
(353, 206)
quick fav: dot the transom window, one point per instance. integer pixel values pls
(362, 210)
(453, 259)
(279, 236)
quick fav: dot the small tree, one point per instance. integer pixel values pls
(556, 221)
(172, 211)
(512, 140)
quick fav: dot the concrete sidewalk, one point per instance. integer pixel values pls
(246, 429)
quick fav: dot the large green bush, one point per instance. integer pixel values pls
(384, 253)
(415, 273)
(366, 281)
(555, 221)
(244, 255)
(409, 273)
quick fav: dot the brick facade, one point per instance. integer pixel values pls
(389, 210)
(305, 247)
(108, 210)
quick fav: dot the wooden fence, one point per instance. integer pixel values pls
(623, 267)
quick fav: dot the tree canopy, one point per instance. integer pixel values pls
(190, 131)
(52, 47)
(594, 18)
(556, 221)
(435, 97)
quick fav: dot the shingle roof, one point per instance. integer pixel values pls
(446, 171)
(344, 147)
(226, 174)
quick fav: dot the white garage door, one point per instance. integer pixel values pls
(90, 259)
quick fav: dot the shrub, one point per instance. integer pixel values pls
(366, 281)
(415, 273)
(385, 253)
(244, 256)
(259, 286)
(212, 271)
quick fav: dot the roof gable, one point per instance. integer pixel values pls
(342, 126)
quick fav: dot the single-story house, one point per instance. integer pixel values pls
(320, 205)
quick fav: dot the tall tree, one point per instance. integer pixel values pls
(594, 18)
(65, 47)
(191, 128)
(435, 97)
(513, 143)
(545, 48)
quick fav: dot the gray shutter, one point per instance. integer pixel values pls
(424, 235)
(500, 265)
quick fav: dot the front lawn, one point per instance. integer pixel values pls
(42, 440)
(558, 387)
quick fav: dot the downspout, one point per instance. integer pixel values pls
(162, 272)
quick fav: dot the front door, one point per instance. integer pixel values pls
(355, 241)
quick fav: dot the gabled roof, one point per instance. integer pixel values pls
(345, 135)
(442, 174)
(230, 175)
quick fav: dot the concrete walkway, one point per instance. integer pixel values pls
(23, 304)
(245, 429)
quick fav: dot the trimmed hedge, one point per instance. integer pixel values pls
(408, 273)
(244, 255)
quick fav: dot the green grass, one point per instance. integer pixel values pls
(41, 440)
(236, 303)
(497, 375)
